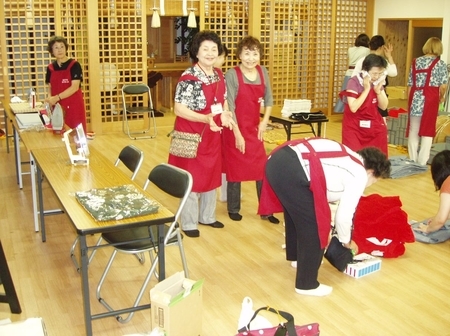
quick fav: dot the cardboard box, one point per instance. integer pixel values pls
(31, 327)
(397, 92)
(176, 306)
(363, 265)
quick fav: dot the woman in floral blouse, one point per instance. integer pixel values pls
(427, 84)
(200, 107)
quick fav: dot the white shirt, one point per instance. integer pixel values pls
(354, 54)
(345, 180)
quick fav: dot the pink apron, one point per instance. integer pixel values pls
(366, 127)
(206, 168)
(240, 167)
(73, 106)
(431, 104)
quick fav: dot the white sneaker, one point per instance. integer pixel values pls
(322, 290)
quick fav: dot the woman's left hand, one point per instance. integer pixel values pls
(379, 87)
(261, 129)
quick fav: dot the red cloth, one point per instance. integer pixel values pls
(395, 112)
(383, 219)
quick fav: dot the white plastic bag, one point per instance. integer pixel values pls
(260, 322)
(57, 118)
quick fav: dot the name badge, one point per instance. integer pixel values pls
(216, 108)
(364, 123)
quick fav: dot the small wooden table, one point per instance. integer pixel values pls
(65, 179)
(287, 123)
(171, 73)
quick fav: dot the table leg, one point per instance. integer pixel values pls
(41, 203)
(10, 295)
(18, 159)
(33, 193)
(161, 253)
(85, 284)
(287, 128)
(319, 129)
(6, 129)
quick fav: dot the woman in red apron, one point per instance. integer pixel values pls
(64, 77)
(248, 93)
(301, 177)
(200, 107)
(427, 84)
(362, 124)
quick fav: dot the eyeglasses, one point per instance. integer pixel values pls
(376, 74)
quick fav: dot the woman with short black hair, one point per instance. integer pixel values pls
(362, 124)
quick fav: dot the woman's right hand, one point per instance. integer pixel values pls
(212, 124)
(52, 100)
(240, 143)
(366, 83)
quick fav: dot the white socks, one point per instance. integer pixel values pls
(322, 290)
(294, 263)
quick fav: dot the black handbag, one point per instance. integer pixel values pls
(338, 255)
(308, 116)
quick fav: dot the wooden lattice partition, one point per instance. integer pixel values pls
(26, 30)
(305, 44)
(122, 52)
(229, 19)
(351, 20)
(71, 17)
(305, 41)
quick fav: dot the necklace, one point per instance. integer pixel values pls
(213, 72)
(208, 77)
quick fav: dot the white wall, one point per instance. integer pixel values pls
(411, 9)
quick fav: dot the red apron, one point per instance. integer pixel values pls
(356, 137)
(431, 104)
(206, 168)
(249, 166)
(73, 106)
(269, 202)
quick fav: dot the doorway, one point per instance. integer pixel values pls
(407, 37)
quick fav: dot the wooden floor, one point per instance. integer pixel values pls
(408, 296)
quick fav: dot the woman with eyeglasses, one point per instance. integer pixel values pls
(362, 124)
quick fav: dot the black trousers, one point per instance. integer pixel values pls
(234, 195)
(289, 182)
